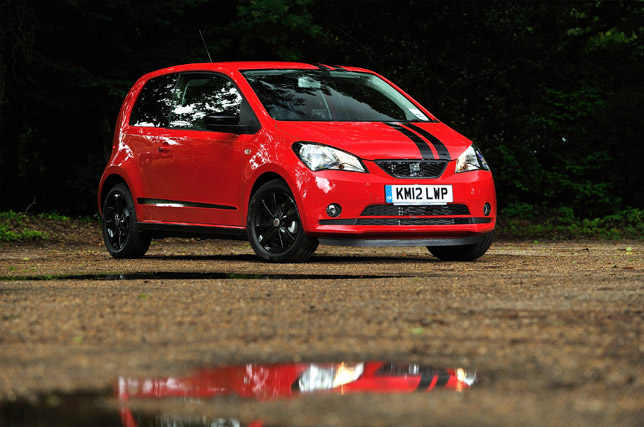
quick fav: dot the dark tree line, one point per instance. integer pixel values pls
(552, 92)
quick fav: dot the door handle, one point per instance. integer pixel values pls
(164, 148)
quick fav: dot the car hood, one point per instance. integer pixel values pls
(376, 140)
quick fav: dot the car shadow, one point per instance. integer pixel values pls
(322, 259)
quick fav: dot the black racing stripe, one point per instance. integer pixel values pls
(443, 152)
(425, 151)
(323, 67)
(146, 201)
(443, 379)
(318, 66)
(426, 379)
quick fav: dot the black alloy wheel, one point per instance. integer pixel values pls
(274, 227)
(122, 237)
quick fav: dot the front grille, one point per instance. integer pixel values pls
(413, 221)
(413, 168)
(429, 210)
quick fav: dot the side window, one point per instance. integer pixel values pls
(154, 103)
(199, 95)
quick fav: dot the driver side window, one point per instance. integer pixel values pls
(201, 94)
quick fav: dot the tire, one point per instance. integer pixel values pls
(121, 234)
(274, 226)
(463, 252)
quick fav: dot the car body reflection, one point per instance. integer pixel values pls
(264, 382)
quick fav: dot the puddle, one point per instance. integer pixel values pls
(176, 275)
(252, 382)
(276, 381)
(78, 409)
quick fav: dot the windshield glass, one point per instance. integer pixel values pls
(312, 95)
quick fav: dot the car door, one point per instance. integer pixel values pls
(198, 171)
(147, 120)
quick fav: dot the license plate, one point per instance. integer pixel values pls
(419, 194)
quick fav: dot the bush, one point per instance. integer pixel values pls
(519, 222)
(13, 228)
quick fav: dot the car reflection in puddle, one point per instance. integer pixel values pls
(278, 381)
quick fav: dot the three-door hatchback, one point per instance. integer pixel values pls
(289, 155)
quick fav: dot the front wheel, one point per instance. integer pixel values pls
(274, 226)
(463, 252)
(122, 237)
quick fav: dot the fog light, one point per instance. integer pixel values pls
(487, 208)
(333, 210)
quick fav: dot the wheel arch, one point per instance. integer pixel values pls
(109, 182)
(263, 179)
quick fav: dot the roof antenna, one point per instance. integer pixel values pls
(205, 45)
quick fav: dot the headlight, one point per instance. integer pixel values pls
(471, 160)
(322, 157)
(466, 377)
(328, 377)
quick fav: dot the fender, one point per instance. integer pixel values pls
(273, 169)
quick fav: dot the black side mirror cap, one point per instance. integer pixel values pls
(230, 122)
(225, 119)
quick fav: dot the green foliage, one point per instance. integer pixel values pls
(562, 224)
(12, 216)
(280, 28)
(551, 92)
(53, 216)
(14, 227)
(7, 234)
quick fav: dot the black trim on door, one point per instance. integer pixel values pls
(182, 204)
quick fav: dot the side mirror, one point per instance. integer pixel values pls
(217, 122)
(231, 122)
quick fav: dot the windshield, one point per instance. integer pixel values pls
(313, 95)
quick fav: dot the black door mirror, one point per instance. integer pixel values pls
(216, 121)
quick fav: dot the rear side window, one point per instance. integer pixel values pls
(199, 95)
(153, 105)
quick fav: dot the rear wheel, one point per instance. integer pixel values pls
(463, 252)
(274, 227)
(122, 237)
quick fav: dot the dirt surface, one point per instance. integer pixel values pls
(555, 331)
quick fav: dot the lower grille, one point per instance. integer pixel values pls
(413, 221)
(430, 210)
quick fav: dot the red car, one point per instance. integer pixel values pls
(290, 155)
(279, 381)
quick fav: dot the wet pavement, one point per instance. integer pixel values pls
(203, 334)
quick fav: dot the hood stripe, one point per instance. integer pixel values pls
(423, 147)
(322, 66)
(443, 152)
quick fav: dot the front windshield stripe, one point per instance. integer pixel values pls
(443, 152)
(423, 147)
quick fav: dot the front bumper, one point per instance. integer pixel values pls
(368, 218)
(455, 241)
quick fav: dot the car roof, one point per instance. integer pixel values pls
(228, 67)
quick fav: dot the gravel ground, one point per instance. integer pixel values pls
(554, 330)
